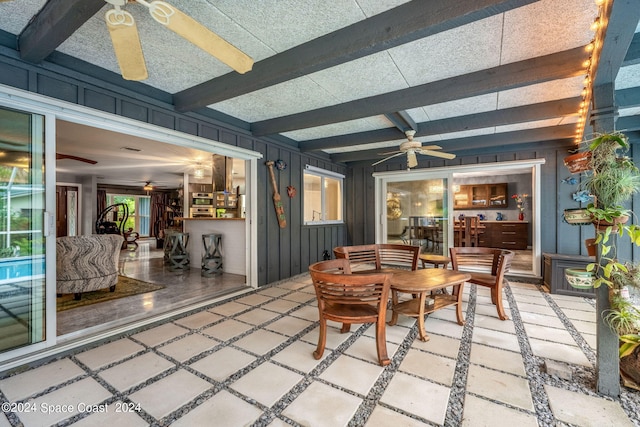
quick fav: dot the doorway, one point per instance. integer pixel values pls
(412, 204)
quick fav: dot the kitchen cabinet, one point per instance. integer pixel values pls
(505, 235)
(476, 196)
(200, 188)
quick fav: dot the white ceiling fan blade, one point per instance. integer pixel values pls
(389, 152)
(412, 161)
(447, 156)
(431, 147)
(126, 44)
(387, 158)
(193, 31)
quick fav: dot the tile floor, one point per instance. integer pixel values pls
(249, 362)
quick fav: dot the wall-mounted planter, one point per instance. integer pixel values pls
(578, 162)
(601, 224)
(577, 216)
(579, 278)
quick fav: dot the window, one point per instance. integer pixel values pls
(322, 196)
(139, 212)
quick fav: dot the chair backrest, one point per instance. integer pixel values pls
(360, 254)
(352, 289)
(336, 266)
(503, 264)
(406, 255)
(481, 257)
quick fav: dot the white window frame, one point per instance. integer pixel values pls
(323, 173)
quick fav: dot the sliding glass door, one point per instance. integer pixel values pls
(22, 234)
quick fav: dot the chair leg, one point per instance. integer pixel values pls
(381, 341)
(322, 339)
(498, 302)
(346, 327)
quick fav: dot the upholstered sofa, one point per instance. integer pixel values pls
(87, 263)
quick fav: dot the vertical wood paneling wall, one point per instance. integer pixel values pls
(282, 253)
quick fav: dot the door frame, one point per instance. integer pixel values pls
(52, 110)
(382, 178)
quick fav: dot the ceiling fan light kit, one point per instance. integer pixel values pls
(128, 50)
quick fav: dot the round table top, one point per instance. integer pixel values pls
(432, 258)
(426, 279)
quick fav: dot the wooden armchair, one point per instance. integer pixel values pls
(373, 258)
(497, 259)
(350, 298)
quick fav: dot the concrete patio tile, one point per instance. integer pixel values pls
(223, 363)
(490, 311)
(443, 327)
(273, 292)
(267, 383)
(549, 334)
(185, 348)
(257, 316)
(253, 299)
(229, 308)
(585, 327)
(382, 416)
(576, 304)
(299, 297)
(113, 416)
(307, 312)
(109, 353)
(225, 408)
(352, 374)
(299, 355)
(536, 308)
(591, 339)
(334, 337)
(494, 323)
(23, 385)
(561, 352)
(587, 316)
(280, 306)
(583, 410)
(495, 339)
(135, 371)
(502, 360)
(365, 348)
(294, 285)
(425, 399)
(500, 386)
(479, 412)
(4, 422)
(542, 319)
(310, 408)
(429, 366)
(159, 334)
(438, 344)
(86, 392)
(395, 334)
(226, 329)
(288, 325)
(260, 341)
(170, 393)
(198, 320)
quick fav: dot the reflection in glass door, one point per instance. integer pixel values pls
(417, 214)
(22, 242)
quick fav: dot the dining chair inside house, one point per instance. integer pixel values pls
(497, 260)
(350, 298)
(467, 232)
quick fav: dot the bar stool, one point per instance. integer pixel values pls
(175, 250)
(212, 255)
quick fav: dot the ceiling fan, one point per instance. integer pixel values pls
(126, 42)
(60, 156)
(412, 148)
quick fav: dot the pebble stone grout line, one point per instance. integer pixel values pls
(532, 368)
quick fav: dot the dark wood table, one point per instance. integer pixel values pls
(421, 283)
(436, 260)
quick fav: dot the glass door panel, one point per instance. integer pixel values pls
(417, 214)
(22, 241)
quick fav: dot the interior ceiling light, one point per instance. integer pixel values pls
(128, 50)
(148, 186)
(199, 172)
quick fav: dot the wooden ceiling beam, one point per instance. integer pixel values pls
(55, 23)
(558, 65)
(506, 116)
(408, 22)
(629, 97)
(633, 54)
(503, 139)
(402, 120)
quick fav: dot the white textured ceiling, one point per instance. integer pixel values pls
(268, 27)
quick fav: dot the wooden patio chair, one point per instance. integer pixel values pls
(497, 259)
(350, 298)
(376, 257)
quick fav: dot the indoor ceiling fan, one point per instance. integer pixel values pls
(126, 42)
(60, 156)
(412, 148)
